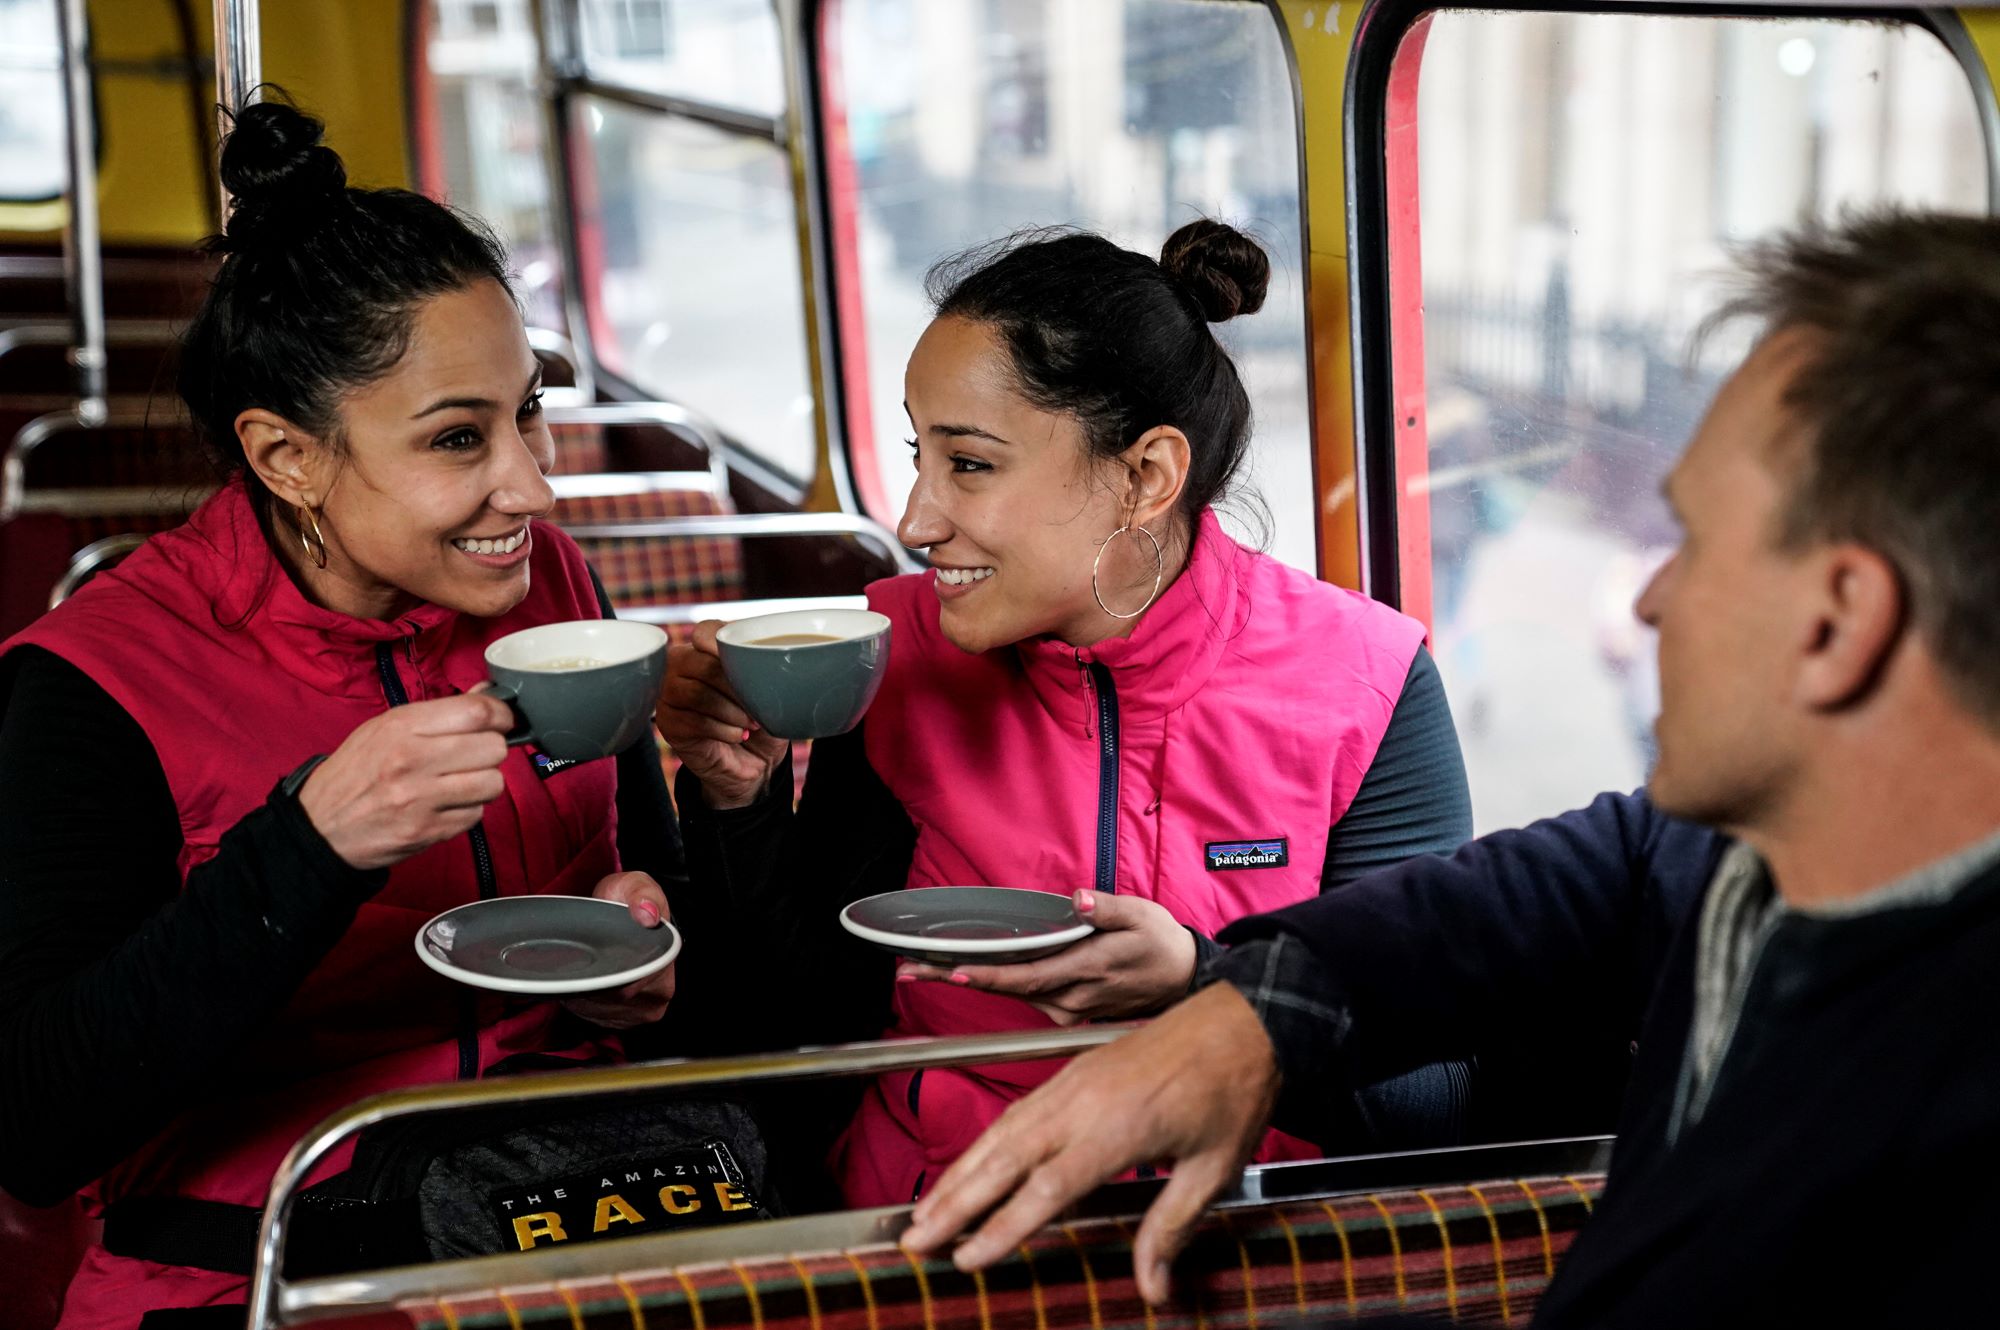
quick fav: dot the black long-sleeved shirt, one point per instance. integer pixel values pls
(794, 871)
(121, 991)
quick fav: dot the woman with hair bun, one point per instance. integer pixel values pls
(1095, 690)
(239, 771)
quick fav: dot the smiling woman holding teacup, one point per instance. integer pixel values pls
(1096, 691)
(243, 768)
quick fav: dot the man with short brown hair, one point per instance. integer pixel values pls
(1815, 1101)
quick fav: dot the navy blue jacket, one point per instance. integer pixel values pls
(1841, 1171)
(1536, 951)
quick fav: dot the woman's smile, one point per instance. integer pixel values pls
(508, 550)
(956, 583)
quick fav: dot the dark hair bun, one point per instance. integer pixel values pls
(1226, 271)
(275, 167)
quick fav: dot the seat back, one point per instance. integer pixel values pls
(39, 1252)
(1480, 1254)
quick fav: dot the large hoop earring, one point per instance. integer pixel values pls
(314, 544)
(1159, 572)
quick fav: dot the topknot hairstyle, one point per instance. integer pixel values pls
(319, 285)
(1120, 341)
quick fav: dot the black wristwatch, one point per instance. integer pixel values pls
(289, 786)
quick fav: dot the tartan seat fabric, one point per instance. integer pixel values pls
(1479, 1254)
(660, 571)
(580, 449)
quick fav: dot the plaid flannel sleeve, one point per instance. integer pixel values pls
(1305, 1015)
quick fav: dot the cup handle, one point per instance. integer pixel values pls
(521, 733)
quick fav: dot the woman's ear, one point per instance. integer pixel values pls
(1158, 467)
(282, 456)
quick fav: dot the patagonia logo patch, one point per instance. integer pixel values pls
(546, 766)
(687, 1189)
(1226, 855)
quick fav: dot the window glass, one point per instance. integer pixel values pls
(970, 119)
(489, 129)
(1581, 180)
(31, 107)
(700, 286)
(719, 51)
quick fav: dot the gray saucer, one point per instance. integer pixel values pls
(967, 925)
(548, 945)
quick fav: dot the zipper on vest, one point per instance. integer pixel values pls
(1107, 774)
(482, 860)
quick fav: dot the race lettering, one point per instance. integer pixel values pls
(613, 1209)
(531, 1229)
(730, 1197)
(670, 1197)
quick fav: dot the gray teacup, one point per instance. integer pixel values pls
(806, 674)
(583, 689)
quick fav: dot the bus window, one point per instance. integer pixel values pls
(699, 288)
(1580, 179)
(479, 136)
(954, 122)
(31, 103)
(721, 52)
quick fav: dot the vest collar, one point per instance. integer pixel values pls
(1172, 651)
(230, 565)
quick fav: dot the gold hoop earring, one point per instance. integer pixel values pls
(315, 544)
(1159, 572)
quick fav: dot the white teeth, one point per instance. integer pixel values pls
(961, 576)
(506, 546)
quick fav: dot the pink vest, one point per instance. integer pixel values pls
(1249, 703)
(237, 678)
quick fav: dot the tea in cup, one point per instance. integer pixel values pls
(806, 674)
(583, 689)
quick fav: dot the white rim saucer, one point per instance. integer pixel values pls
(543, 987)
(996, 946)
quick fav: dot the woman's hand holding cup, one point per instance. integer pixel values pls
(409, 778)
(714, 737)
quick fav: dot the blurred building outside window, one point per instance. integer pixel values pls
(973, 119)
(32, 162)
(692, 227)
(1582, 181)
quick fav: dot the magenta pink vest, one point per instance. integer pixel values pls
(1250, 701)
(237, 678)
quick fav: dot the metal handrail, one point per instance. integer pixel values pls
(682, 420)
(49, 332)
(729, 610)
(239, 69)
(864, 1059)
(13, 482)
(92, 559)
(864, 530)
(83, 239)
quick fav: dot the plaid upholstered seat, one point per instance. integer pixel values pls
(657, 571)
(580, 449)
(1480, 1254)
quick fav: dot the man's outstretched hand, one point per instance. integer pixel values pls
(1193, 1089)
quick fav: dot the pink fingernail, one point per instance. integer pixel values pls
(906, 979)
(957, 978)
(1086, 900)
(648, 915)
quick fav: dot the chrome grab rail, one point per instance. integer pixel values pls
(864, 530)
(239, 71)
(727, 610)
(13, 465)
(83, 239)
(863, 1059)
(90, 560)
(672, 416)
